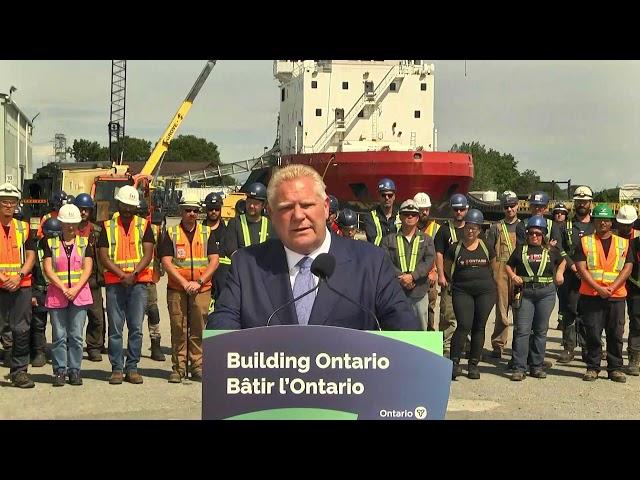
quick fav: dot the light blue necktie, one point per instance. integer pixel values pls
(304, 282)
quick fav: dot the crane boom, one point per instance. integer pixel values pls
(163, 143)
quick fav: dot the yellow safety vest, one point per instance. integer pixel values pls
(376, 222)
(415, 244)
(70, 276)
(264, 224)
(543, 264)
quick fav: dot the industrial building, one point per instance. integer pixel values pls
(16, 132)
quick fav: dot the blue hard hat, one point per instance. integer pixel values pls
(474, 216)
(347, 218)
(386, 184)
(539, 198)
(51, 227)
(333, 204)
(458, 200)
(213, 200)
(257, 191)
(84, 200)
(58, 199)
(537, 221)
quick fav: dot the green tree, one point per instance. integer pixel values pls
(188, 148)
(528, 182)
(88, 151)
(607, 195)
(136, 149)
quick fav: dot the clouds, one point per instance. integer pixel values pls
(565, 119)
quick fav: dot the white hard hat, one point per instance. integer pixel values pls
(9, 190)
(69, 213)
(128, 195)
(583, 193)
(422, 200)
(191, 200)
(627, 214)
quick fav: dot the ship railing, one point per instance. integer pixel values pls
(353, 112)
(224, 169)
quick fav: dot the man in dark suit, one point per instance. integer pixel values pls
(265, 276)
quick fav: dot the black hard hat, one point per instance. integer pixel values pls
(51, 227)
(58, 199)
(333, 204)
(213, 200)
(257, 191)
(347, 218)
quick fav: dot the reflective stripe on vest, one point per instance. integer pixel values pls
(376, 222)
(569, 233)
(264, 224)
(549, 225)
(70, 276)
(543, 264)
(40, 259)
(457, 253)
(190, 262)
(131, 256)
(604, 270)
(507, 237)
(13, 255)
(432, 229)
(415, 242)
(454, 235)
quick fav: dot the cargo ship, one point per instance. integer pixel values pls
(357, 121)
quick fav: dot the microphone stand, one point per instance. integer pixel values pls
(354, 302)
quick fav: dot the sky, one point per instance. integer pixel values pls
(573, 120)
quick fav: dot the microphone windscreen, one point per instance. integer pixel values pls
(323, 266)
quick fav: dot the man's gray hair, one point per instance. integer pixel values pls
(293, 172)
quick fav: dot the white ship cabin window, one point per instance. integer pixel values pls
(282, 95)
(345, 85)
(423, 87)
(392, 87)
(318, 112)
(314, 84)
(361, 114)
(416, 114)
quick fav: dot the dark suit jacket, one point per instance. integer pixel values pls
(259, 283)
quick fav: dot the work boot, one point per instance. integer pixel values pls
(457, 370)
(547, 364)
(94, 356)
(497, 352)
(156, 352)
(590, 376)
(518, 376)
(22, 380)
(39, 360)
(196, 375)
(116, 378)
(6, 361)
(59, 378)
(133, 377)
(566, 356)
(74, 377)
(175, 377)
(538, 373)
(634, 364)
(474, 372)
(617, 376)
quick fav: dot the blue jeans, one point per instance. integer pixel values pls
(67, 328)
(126, 304)
(531, 325)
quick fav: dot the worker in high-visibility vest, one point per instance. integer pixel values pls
(539, 205)
(412, 254)
(504, 236)
(579, 225)
(560, 216)
(189, 254)
(125, 248)
(251, 227)
(625, 219)
(17, 258)
(633, 309)
(383, 219)
(213, 207)
(68, 264)
(96, 324)
(430, 227)
(604, 262)
(56, 201)
(451, 232)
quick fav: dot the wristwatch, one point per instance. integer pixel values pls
(200, 282)
(21, 274)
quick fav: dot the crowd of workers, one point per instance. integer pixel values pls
(518, 265)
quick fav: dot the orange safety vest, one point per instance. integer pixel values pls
(13, 253)
(125, 248)
(604, 270)
(190, 258)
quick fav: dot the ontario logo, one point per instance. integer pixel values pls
(420, 413)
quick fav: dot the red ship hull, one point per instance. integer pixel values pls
(354, 176)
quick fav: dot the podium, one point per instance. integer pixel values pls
(320, 372)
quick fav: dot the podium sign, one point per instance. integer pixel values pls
(320, 372)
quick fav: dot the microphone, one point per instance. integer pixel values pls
(325, 264)
(322, 267)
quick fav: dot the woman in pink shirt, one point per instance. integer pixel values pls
(67, 265)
